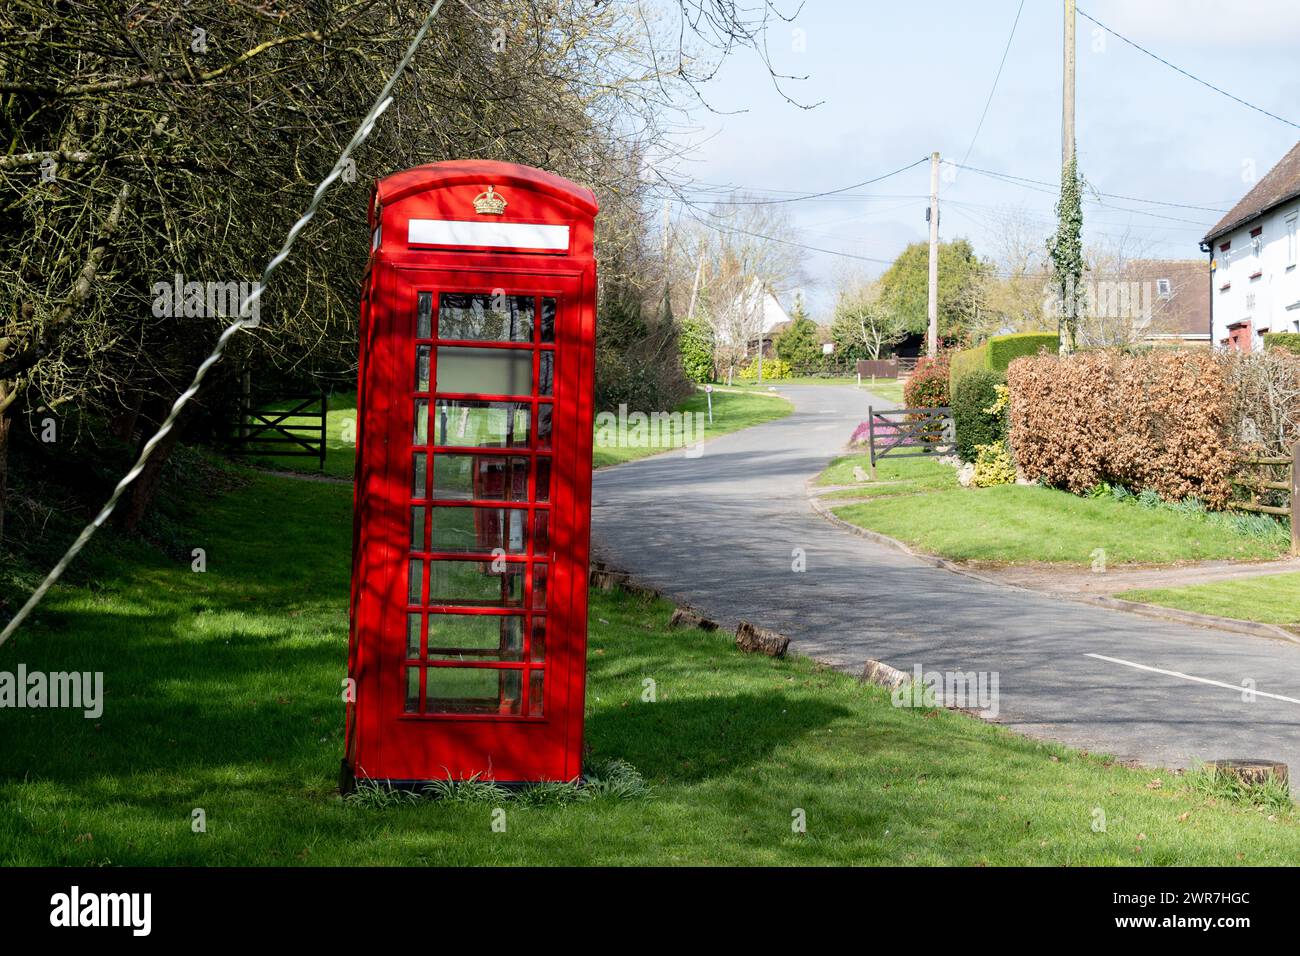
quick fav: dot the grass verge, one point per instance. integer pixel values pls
(1269, 599)
(1028, 523)
(222, 694)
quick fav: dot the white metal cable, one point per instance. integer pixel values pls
(382, 102)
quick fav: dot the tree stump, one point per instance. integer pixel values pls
(689, 617)
(1251, 770)
(759, 640)
(607, 580)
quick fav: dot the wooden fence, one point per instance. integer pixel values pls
(1289, 486)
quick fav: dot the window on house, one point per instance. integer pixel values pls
(1164, 288)
(1291, 238)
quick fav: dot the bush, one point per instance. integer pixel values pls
(1282, 340)
(997, 354)
(927, 386)
(1005, 349)
(1157, 421)
(695, 340)
(973, 398)
(773, 369)
(993, 466)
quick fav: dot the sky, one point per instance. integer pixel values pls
(896, 81)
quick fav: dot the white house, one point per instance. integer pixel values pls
(1254, 280)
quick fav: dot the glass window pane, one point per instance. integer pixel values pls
(488, 637)
(548, 320)
(414, 581)
(453, 581)
(421, 435)
(546, 374)
(417, 528)
(485, 371)
(541, 532)
(424, 316)
(413, 634)
(537, 643)
(481, 424)
(485, 318)
(539, 586)
(536, 694)
(543, 492)
(422, 368)
(470, 529)
(544, 426)
(417, 475)
(412, 690)
(472, 690)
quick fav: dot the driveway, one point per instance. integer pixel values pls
(721, 531)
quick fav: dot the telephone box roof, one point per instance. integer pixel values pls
(484, 172)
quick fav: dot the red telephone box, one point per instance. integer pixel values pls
(473, 482)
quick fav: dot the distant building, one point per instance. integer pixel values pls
(1253, 261)
(1168, 298)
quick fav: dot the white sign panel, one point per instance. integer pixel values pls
(503, 235)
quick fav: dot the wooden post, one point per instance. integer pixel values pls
(245, 401)
(932, 294)
(324, 415)
(871, 438)
(1295, 498)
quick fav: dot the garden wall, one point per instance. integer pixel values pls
(1158, 420)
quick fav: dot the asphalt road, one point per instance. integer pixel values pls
(720, 531)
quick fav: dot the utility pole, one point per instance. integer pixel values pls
(1067, 104)
(932, 305)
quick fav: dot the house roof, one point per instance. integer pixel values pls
(1281, 183)
(1186, 310)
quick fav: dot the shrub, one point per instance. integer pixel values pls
(798, 345)
(695, 340)
(1157, 421)
(993, 466)
(976, 414)
(927, 386)
(1282, 340)
(1005, 349)
(773, 369)
(997, 354)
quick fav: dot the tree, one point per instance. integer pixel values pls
(1066, 251)
(863, 328)
(798, 344)
(695, 341)
(904, 288)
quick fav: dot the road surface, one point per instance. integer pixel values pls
(720, 532)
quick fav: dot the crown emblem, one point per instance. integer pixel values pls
(489, 202)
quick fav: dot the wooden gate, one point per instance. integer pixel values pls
(1261, 479)
(293, 426)
(909, 433)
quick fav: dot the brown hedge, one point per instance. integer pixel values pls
(1158, 420)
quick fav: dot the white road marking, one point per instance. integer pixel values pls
(1192, 677)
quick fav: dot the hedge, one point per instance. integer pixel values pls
(1283, 340)
(973, 393)
(1158, 421)
(998, 352)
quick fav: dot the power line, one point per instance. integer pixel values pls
(979, 126)
(1190, 76)
(1052, 187)
(829, 192)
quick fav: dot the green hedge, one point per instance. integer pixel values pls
(999, 352)
(1004, 349)
(973, 393)
(1282, 340)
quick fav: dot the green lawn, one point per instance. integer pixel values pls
(733, 409)
(223, 694)
(891, 390)
(1020, 523)
(1271, 599)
